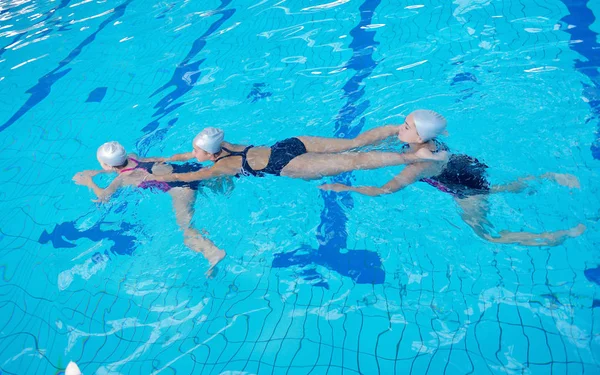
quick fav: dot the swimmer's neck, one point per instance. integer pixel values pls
(130, 164)
(225, 146)
(222, 153)
(414, 147)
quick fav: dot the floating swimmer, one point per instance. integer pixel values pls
(300, 157)
(461, 176)
(131, 171)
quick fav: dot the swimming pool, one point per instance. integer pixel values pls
(313, 282)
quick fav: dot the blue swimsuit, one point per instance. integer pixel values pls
(166, 186)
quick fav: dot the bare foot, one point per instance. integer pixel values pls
(213, 258)
(576, 231)
(205, 247)
(558, 237)
(534, 239)
(564, 179)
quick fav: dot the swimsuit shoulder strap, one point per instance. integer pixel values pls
(235, 153)
(440, 146)
(137, 163)
(245, 168)
(245, 152)
(230, 153)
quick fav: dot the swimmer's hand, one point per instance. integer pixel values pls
(335, 187)
(160, 169)
(101, 200)
(83, 178)
(425, 154)
(85, 175)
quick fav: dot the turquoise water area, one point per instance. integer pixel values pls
(313, 282)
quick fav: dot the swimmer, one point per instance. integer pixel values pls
(459, 175)
(134, 171)
(300, 157)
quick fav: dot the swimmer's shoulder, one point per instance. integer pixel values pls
(437, 146)
(233, 147)
(240, 148)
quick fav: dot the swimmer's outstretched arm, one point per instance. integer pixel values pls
(177, 157)
(101, 194)
(202, 174)
(94, 172)
(409, 175)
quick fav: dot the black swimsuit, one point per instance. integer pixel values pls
(463, 175)
(281, 154)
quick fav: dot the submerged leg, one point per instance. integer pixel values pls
(520, 184)
(474, 213)
(183, 205)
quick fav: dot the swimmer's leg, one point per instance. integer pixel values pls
(183, 205)
(520, 184)
(333, 145)
(474, 212)
(314, 165)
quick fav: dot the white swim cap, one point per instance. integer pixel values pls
(209, 140)
(112, 153)
(429, 124)
(72, 369)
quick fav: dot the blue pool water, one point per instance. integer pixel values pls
(314, 282)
